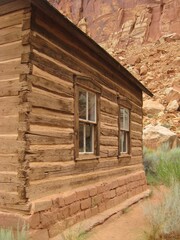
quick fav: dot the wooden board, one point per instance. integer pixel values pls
(9, 87)
(9, 124)
(8, 144)
(11, 108)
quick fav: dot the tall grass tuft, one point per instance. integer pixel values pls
(6, 234)
(162, 165)
(9, 234)
(164, 218)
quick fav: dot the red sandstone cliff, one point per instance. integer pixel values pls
(144, 36)
(124, 21)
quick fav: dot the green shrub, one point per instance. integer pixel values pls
(164, 218)
(8, 234)
(162, 165)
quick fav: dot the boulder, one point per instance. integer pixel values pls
(143, 70)
(173, 94)
(156, 136)
(152, 107)
(172, 106)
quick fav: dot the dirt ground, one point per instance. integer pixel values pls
(129, 226)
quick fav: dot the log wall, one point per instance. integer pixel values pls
(14, 19)
(51, 137)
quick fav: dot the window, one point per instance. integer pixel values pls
(87, 121)
(124, 130)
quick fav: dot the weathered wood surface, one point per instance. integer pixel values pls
(12, 55)
(9, 124)
(59, 184)
(13, 6)
(9, 87)
(9, 162)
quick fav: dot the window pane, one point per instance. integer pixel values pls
(91, 107)
(122, 118)
(82, 104)
(81, 137)
(124, 141)
(89, 138)
(126, 119)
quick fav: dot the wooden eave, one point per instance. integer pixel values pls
(72, 29)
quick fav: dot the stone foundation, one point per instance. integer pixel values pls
(50, 216)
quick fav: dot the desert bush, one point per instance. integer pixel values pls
(9, 234)
(164, 218)
(162, 165)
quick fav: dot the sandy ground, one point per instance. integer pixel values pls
(129, 226)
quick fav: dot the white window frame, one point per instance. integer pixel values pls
(86, 122)
(125, 131)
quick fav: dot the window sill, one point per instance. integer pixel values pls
(124, 155)
(85, 156)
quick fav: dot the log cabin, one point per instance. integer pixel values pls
(70, 123)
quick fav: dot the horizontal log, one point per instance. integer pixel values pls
(8, 177)
(11, 19)
(11, 34)
(136, 118)
(137, 159)
(8, 187)
(49, 140)
(9, 105)
(50, 131)
(62, 121)
(50, 101)
(42, 170)
(136, 135)
(136, 143)
(109, 107)
(108, 131)
(8, 144)
(110, 95)
(41, 73)
(9, 124)
(51, 67)
(108, 119)
(9, 69)
(9, 87)
(49, 50)
(9, 198)
(50, 153)
(13, 6)
(136, 127)
(58, 87)
(108, 151)
(8, 162)
(137, 109)
(109, 141)
(12, 50)
(136, 151)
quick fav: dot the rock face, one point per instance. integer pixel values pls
(152, 107)
(144, 36)
(124, 21)
(156, 136)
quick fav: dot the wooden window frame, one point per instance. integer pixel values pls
(123, 102)
(87, 84)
